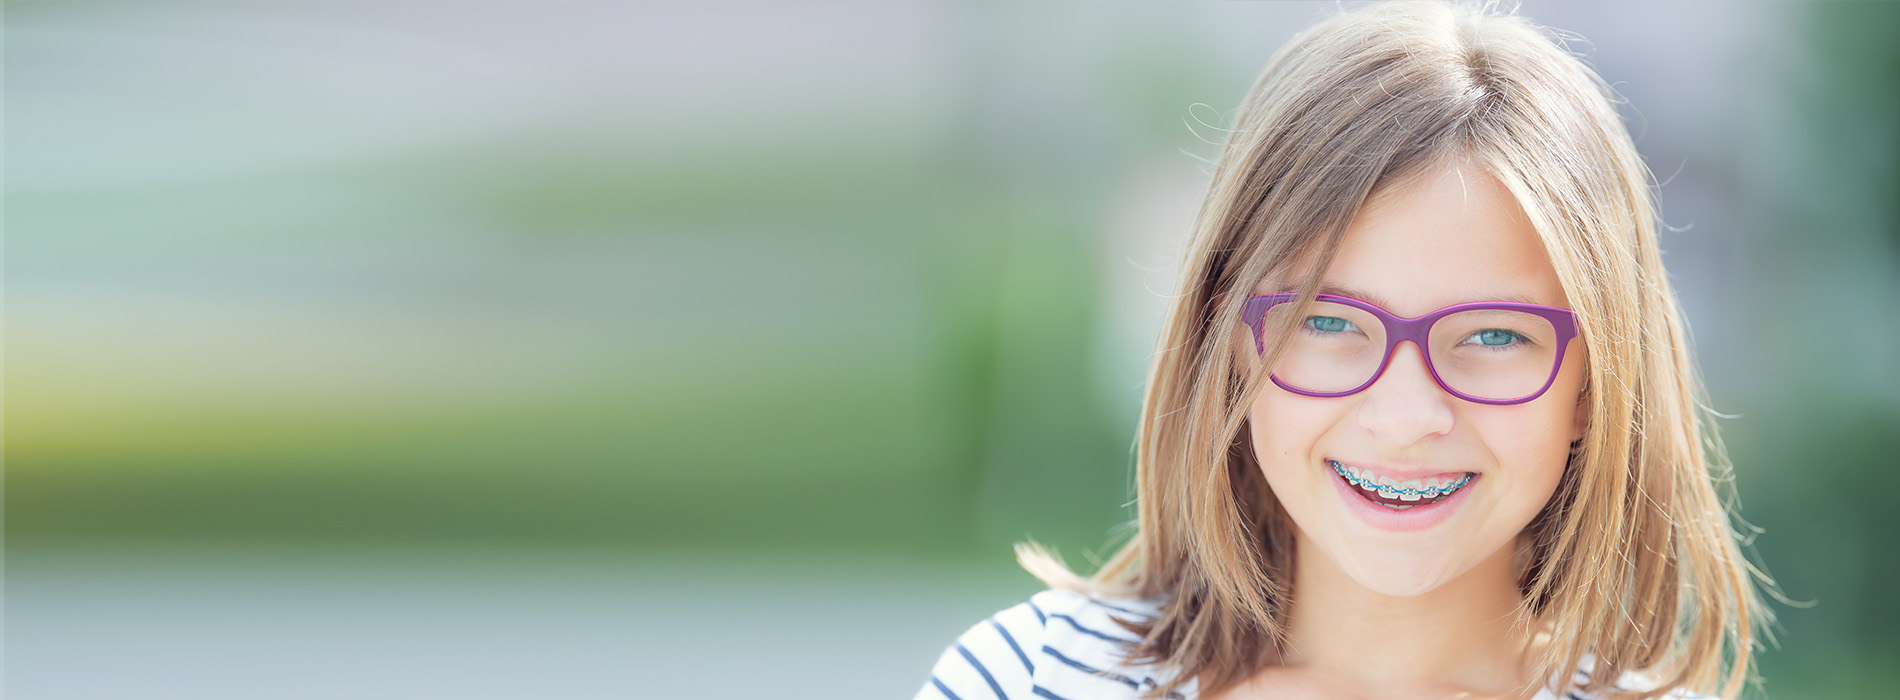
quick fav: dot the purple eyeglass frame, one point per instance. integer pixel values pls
(1418, 331)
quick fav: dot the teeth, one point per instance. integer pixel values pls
(1408, 490)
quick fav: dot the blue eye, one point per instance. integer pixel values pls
(1329, 324)
(1493, 338)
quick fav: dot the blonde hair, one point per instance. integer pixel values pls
(1634, 560)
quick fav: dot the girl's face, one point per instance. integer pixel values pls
(1448, 237)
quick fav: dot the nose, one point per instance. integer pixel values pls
(1405, 405)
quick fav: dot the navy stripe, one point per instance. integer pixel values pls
(1577, 678)
(1044, 692)
(1013, 645)
(1172, 695)
(941, 689)
(1079, 628)
(1105, 675)
(1119, 609)
(1044, 619)
(987, 678)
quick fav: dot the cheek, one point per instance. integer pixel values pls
(1534, 456)
(1531, 443)
(1287, 429)
(1536, 436)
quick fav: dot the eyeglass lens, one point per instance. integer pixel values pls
(1493, 354)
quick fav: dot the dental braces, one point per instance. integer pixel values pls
(1383, 490)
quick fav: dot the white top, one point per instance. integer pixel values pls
(1060, 645)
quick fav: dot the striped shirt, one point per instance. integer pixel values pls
(1061, 645)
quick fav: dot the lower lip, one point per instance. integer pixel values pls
(1413, 519)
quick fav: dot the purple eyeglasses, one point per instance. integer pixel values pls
(1495, 353)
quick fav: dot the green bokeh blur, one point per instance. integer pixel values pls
(747, 284)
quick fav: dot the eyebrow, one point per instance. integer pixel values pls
(1383, 303)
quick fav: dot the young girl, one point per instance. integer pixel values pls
(1422, 422)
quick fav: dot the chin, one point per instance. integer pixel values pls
(1402, 576)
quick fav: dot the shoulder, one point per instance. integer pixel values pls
(1677, 694)
(1058, 645)
(1628, 681)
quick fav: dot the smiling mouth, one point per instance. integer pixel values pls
(1399, 495)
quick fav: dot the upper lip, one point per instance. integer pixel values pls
(1398, 472)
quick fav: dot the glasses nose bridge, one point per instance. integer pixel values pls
(1416, 330)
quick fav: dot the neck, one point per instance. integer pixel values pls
(1467, 636)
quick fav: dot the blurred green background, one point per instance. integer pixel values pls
(569, 349)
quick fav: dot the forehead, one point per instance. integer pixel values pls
(1451, 235)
